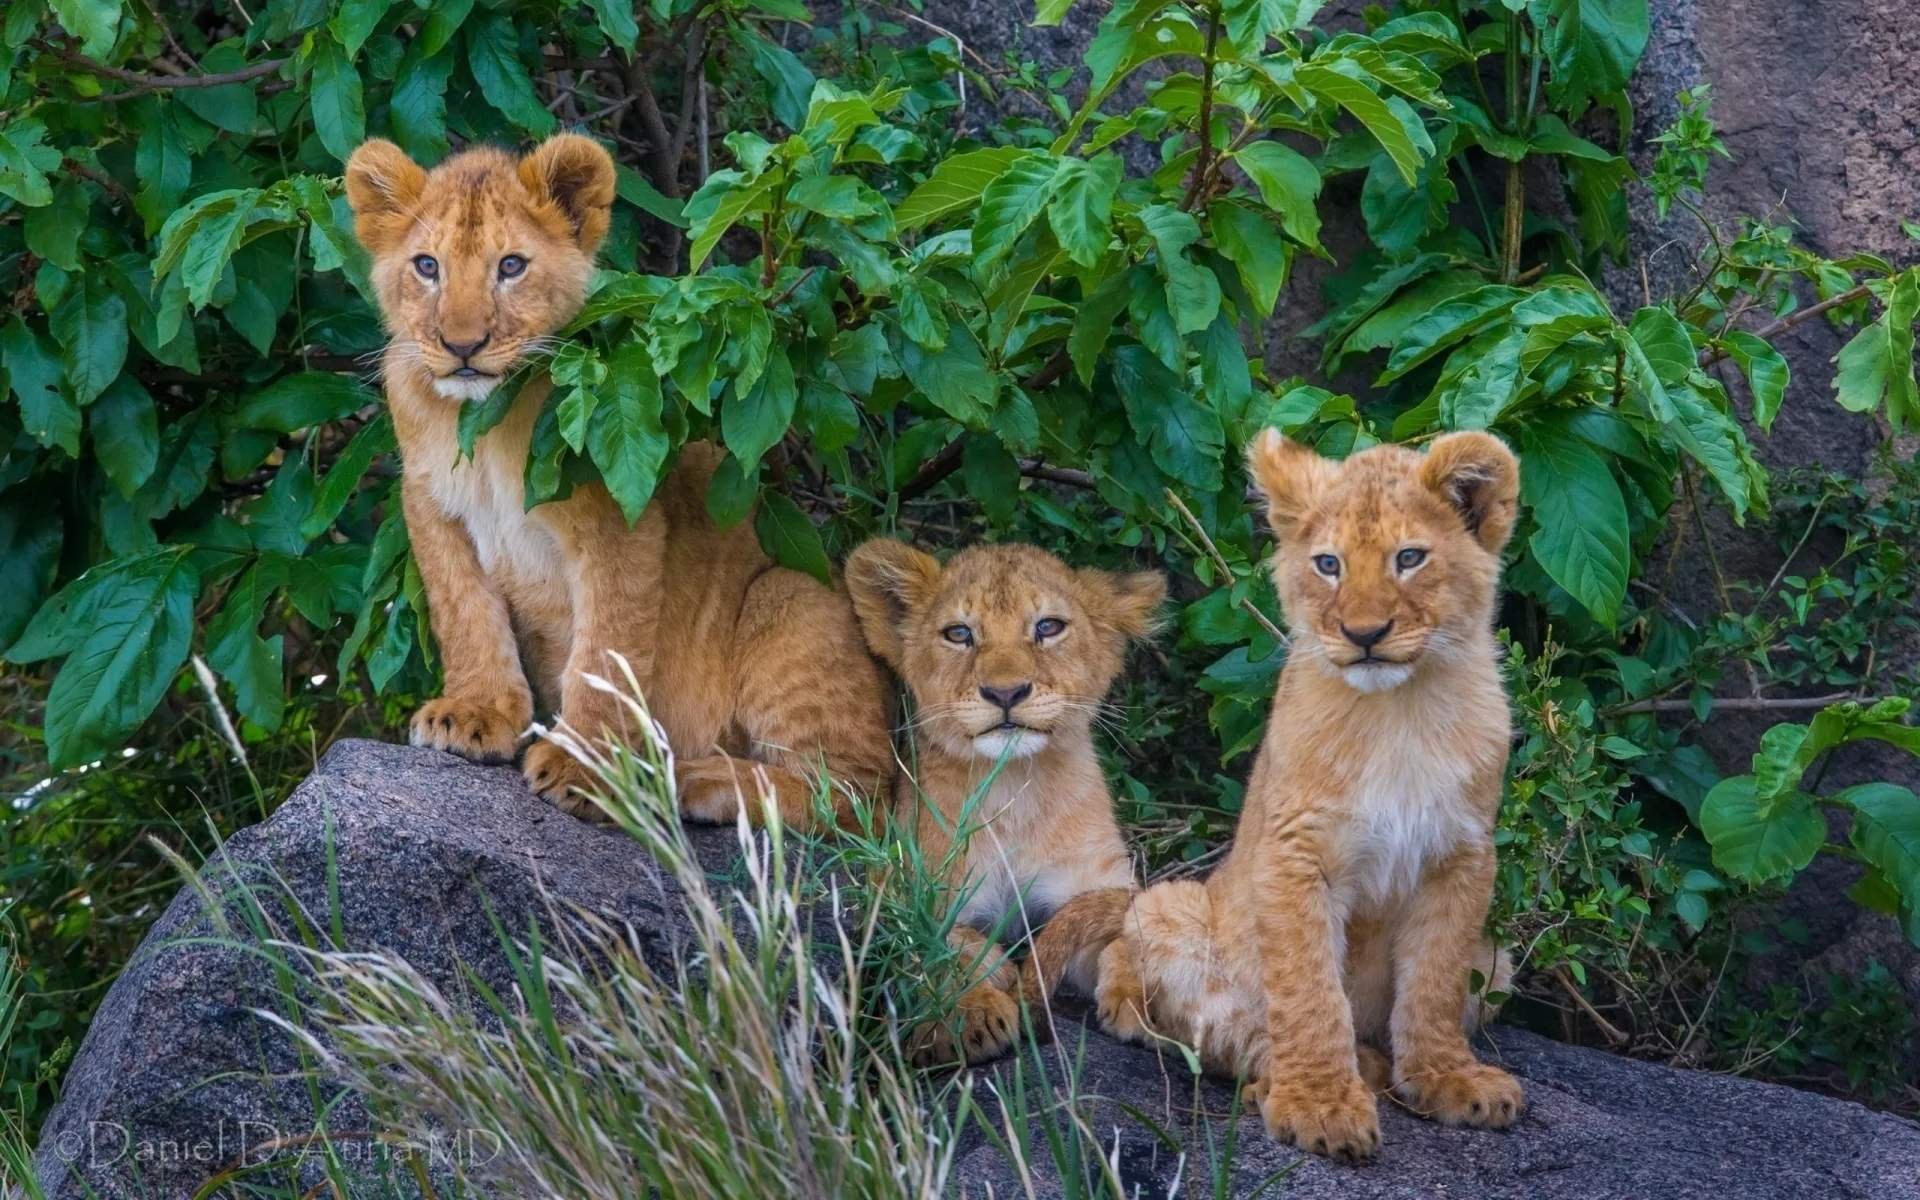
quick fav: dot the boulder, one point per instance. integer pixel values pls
(416, 853)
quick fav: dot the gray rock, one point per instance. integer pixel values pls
(179, 1078)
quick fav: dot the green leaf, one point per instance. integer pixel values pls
(634, 188)
(233, 107)
(24, 162)
(752, 424)
(991, 476)
(1093, 323)
(1254, 247)
(493, 55)
(1081, 210)
(30, 537)
(1370, 109)
(302, 400)
(731, 493)
(1289, 184)
(1481, 379)
(787, 535)
(1193, 293)
(126, 434)
(1457, 318)
(789, 78)
(1010, 205)
(1593, 46)
(95, 22)
(135, 632)
(444, 19)
(1185, 438)
(47, 411)
(725, 198)
(163, 164)
(617, 21)
(251, 663)
(417, 106)
(91, 327)
(343, 478)
(1757, 847)
(625, 437)
(1251, 22)
(53, 231)
(955, 184)
(956, 378)
(355, 22)
(1877, 365)
(1886, 831)
(1581, 537)
(339, 114)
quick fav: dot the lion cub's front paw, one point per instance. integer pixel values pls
(987, 1018)
(1477, 1094)
(1471, 1095)
(475, 730)
(1340, 1120)
(561, 780)
(1119, 1009)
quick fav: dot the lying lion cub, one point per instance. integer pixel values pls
(1008, 652)
(1353, 903)
(476, 264)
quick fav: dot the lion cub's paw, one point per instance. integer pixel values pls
(1376, 1070)
(710, 788)
(987, 1019)
(1341, 1120)
(1477, 1094)
(1118, 1009)
(561, 779)
(474, 730)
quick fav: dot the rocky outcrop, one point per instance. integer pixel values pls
(416, 853)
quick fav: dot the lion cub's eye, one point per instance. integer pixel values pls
(512, 265)
(427, 265)
(1327, 564)
(1409, 558)
(1048, 627)
(959, 635)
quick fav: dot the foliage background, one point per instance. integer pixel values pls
(1039, 343)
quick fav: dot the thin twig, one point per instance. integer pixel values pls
(1737, 704)
(1220, 561)
(1613, 1033)
(160, 83)
(1714, 354)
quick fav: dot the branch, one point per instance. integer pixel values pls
(947, 461)
(1737, 704)
(1226, 572)
(143, 84)
(1715, 353)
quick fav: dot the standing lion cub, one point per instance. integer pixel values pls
(1349, 916)
(754, 671)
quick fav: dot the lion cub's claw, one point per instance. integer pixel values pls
(988, 1019)
(1118, 1011)
(474, 730)
(561, 780)
(1478, 1095)
(1343, 1123)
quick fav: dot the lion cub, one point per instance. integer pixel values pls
(1353, 902)
(754, 671)
(1008, 653)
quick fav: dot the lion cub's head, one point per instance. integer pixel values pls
(1005, 647)
(1390, 558)
(478, 260)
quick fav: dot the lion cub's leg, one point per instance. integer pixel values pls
(986, 1016)
(810, 701)
(615, 578)
(1313, 1094)
(486, 703)
(1434, 1069)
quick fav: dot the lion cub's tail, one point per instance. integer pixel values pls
(1071, 941)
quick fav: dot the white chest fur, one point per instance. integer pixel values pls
(1018, 876)
(485, 494)
(1409, 807)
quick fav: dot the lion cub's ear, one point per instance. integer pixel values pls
(1126, 601)
(383, 185)
(1480, 478)
(575, 175)
(1290, 475)
(888, 581)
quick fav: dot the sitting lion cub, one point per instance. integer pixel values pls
(1008, 652)
(1353, 902)
(476, 264)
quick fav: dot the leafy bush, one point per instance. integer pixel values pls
(897, 316)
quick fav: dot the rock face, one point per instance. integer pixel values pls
(179, 1079)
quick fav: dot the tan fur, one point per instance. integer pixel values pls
(1349, 915)
(1040, 829)
(756, 673)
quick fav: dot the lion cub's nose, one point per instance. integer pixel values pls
(1006, 697)
(1366, 639)
(464, 350)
